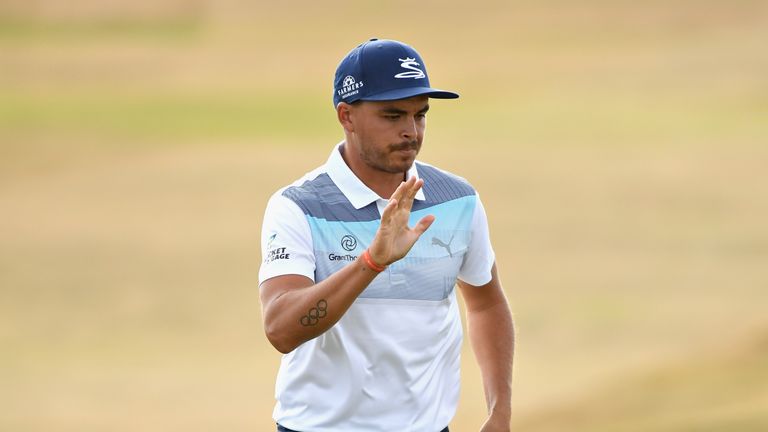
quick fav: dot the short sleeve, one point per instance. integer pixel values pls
(478, 261)
(286, 241)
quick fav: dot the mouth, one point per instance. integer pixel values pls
(408, 154)
(407, 149)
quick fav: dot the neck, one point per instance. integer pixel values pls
(381, 182)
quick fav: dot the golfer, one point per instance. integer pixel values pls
(361, 258)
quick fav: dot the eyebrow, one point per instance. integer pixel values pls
(393, 110)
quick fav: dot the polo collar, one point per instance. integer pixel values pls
(351, 186)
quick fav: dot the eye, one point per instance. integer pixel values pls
(392, 117)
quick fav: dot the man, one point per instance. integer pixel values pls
(361, 257)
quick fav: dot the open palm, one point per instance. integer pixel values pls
(395, 238)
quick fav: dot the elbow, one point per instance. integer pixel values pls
(279, 339)
(284, 348)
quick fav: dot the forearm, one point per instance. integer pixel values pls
(301, 314)
(296, 310)
(491, 333)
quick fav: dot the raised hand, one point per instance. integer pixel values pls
(394, 238)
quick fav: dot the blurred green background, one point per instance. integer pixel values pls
(621, 149)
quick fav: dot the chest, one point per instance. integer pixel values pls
(427, 272)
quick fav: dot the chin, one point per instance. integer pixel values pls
(402, 166)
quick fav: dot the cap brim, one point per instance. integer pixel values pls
(405, 93)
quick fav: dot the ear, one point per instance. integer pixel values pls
(344, 113)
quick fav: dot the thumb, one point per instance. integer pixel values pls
(423, 224)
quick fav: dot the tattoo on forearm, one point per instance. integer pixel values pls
(314, 314)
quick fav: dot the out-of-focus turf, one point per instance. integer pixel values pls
(619, 148)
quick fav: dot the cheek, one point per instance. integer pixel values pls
(420, 131)
(385, 133)
(372, 129)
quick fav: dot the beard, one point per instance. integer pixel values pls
(389, 159)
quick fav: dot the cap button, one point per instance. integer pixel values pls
(373, 39)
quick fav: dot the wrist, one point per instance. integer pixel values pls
(371, 264)
(500, 413)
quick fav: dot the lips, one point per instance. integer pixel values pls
(406, 154)
(406, 147)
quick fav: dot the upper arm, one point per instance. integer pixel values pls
(481, 297)
(478, 279)
(286, 241)
(479, 258)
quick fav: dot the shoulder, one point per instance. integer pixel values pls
(316, 195)
(306, 186)
(443, 185)
(303, 188)
(289, 197)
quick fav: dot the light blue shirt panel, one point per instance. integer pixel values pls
(429, 270)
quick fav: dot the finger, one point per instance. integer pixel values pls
(389, 209)
(423, 224)
(413, 189)
(400, 191)
(408, 186)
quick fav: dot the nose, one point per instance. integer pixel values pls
(410, 129)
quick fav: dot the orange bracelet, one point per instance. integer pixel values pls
(372, 265)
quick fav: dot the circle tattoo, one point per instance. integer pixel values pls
(313, 315)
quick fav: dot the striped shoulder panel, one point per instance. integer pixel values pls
(441, 186)
(321, 198)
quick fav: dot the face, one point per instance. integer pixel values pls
(387, 135)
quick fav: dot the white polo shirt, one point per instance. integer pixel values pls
(392, 361)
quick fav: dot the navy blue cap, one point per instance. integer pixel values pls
(380, 70)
